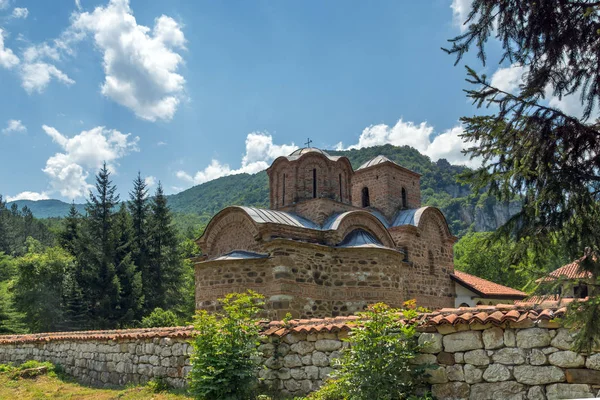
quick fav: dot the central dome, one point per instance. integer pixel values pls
(305, 150)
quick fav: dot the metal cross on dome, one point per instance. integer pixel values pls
(308, 142)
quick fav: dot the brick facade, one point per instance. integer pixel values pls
(305, 254)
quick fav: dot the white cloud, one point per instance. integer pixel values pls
(78, 4)
(35, 196)
(140, 63)
(84, 153)
(509, 78)
(161, 143)
(36, 76)
(260, 152)
(4, 4)
(14, 125)
(460, 12)
(150, 181)
(8, 59)
(19, 12)
(448, 144)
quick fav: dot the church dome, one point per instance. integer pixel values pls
(305, 150)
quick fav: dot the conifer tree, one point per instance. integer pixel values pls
(130, 278)
(69, 236)
(139, 208)
(100, 278)
(4, 242)
(165, 264)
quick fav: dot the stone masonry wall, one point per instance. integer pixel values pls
(527, 360)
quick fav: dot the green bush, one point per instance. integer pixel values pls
(225, 356)
(378, 362)
(159, 318)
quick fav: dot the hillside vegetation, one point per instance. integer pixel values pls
(440, 187)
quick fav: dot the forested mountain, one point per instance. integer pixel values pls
(439, 187)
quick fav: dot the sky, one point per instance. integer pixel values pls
(186, 91)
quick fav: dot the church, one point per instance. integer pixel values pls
(333, 240)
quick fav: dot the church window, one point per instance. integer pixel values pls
(404, 198)
(283, 194)
(405, 250)
(464, 305)
(431, 263)
(366, 202)
(341, 197)
(314, 183)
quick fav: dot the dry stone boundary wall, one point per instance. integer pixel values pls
(515, 360)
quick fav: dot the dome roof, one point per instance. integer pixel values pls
(374, 161)
(305, 150)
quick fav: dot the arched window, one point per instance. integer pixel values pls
(404, 202)
(283, 194)
(464, 305)
(366, 202)
(431, 263)
(314, 183)
(405, 251)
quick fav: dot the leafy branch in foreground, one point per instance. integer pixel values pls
(531, 150)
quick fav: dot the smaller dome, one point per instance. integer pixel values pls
(305, 150)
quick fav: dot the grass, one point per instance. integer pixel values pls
(53, 387)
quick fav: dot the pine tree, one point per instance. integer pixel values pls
(130, 278)
(4, 242)
(69, 236)
(165, 264)
(139, 209)
(100, 278)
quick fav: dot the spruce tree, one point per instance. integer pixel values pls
(101, 280)
(165, 264)
(4, 242)
(130, 278)
(139, 209)
(69, 236)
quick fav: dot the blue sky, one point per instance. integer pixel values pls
(189, 90)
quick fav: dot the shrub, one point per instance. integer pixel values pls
(225, 356)
(378, 362)
(159, 318)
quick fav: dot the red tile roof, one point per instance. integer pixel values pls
(182, 332)
(486, 288)
(570, 271)
(497, 315)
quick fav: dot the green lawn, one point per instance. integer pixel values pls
(47, 387)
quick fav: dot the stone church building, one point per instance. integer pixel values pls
(333, 240)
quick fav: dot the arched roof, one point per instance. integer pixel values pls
(360, 238)
(241, 255)
(415, 217)
(261, 216)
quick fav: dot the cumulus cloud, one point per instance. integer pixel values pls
(8, 59)
(28, 196)
(448, 144)
(14, 125)
(4, 4)
(36, 76)
(150, 181)
(460, 12)
(260, 152)
(82, 154)
(78, 4)
(509, 79)
(140, 63)
(20, 12)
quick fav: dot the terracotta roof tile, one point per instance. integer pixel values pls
(569, 271)
(486, 288)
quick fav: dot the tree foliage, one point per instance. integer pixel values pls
(224, 360)
(547, 157)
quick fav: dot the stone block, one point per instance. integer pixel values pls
(531, 375)
(455, 373)
(327, 345)
(320, 359)
(509, 356)
(532, 337)
(463, 341)
(593, 362)
(496, 373)
(583, 376)
(566, 359)
(564, 339)
(421, 359)
(536, 393)
(472, 374)
(477, 357)
(436, 375)
(445, 358)
(431, 342)
(303, 347)
(292, 360)
(451, 391)
(448, 329)
(493, 338)
(497, 390)
(537, 357)
(568, 391)
(312, 372)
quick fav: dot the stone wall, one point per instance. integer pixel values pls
(108, 358)
(522, 355)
